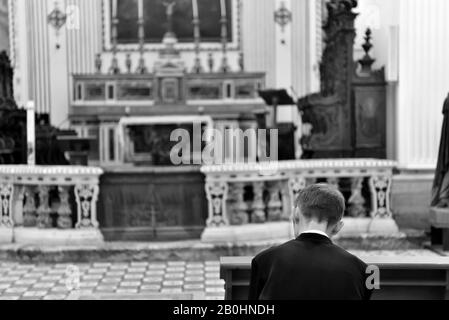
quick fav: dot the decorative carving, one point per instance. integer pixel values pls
(86, 196)
(292, 176)
(328, 112)
(57, 18)
(29, 209)
(258, 205)
(43, 211)
(282, 16)
(380, 187)
(356, 201)
(6, 201)
(217, 194)
(366, 62)
(64, 220)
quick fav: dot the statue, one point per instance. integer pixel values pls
(440, 190)
(169, 5)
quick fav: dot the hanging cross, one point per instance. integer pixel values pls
(282, 16)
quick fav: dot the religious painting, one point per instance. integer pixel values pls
(161, 15)
(150, 144)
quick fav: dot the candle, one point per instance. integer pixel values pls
(223, 8)
(140, 8)
(195, 8)
(114, 8)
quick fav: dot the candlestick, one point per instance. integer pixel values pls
(195, 8)
(31, 133)
(140, 8)
(114, 8)
(223, 8)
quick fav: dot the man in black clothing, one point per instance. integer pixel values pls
(311, 267)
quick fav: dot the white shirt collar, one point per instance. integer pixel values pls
(316, 231)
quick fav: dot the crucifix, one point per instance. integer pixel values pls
(169, 12)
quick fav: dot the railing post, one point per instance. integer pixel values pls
(258, 206)
(295, 185)
(43, 211)
(86, 196)
(217, 194)
(64, 212)
(356, 201)
(274, 202)
(239, 215)
(29, 209)
(6, 205)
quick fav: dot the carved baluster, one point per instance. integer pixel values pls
(333, 181)
(6, 202)
(29, 209)
(64, 220)
(274, 202)
(17, 207)
(356, 201)
(286, 202)
(43, 211)
(258, 206)
(240, 214)
(295, 185)
(217, 194)
(380, 187)
(86, 196)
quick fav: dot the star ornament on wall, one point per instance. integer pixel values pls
(57, 18)
(282, 16)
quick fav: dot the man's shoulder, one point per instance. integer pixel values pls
(272, 252)
(350, 257)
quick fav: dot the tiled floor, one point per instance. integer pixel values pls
(198, 280)
(66, 281)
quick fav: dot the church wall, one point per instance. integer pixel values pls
(423, 80)
(4, 26)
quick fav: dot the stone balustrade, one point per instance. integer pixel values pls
(258, 193)
(37, 201)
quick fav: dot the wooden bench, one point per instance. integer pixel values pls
(400, 277)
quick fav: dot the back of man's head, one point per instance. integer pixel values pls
(321, 202)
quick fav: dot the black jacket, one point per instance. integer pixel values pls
(310, 267)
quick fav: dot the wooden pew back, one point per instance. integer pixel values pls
(425, 278)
